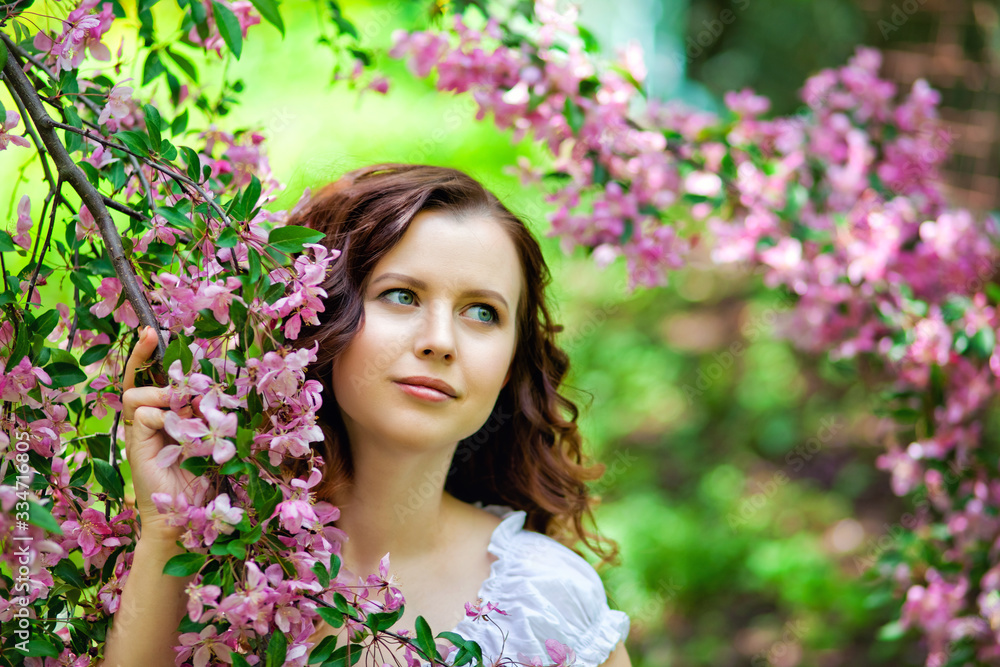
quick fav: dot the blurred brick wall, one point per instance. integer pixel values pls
(955, 46)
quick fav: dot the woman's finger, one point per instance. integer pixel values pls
(140, 354)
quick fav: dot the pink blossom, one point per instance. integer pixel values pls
(479, 610)
(6, 137)
(86, 228)
(200, 595)
(81, 31)
(24, 223)
(118, 103)
(563, 655)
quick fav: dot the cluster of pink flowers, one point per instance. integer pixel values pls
(842, 205)
(82, 30)
(245, 14)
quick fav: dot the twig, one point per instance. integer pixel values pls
(69, 172)
(39, 146)
(90, 104)
(45, 246)
(76, 301)
(403, 640)
(122, 208)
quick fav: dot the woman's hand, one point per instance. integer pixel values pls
(145, 437)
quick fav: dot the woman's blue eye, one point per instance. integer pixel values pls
(486, 314)
(406, 297)
(482, 312)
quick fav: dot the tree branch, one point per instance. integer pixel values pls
(71, 174)
(122, 208)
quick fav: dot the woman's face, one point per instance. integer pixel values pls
(439, 306)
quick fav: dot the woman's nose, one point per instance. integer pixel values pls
(436, 337)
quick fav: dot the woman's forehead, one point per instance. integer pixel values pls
(461, 253)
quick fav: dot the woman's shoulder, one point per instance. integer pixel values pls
(549, 592)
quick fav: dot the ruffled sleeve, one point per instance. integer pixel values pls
(548, 592)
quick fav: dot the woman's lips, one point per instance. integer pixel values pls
(425, 393)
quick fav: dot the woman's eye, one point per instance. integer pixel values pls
(485, 314)
(405, 296)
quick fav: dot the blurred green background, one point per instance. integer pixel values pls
(741, 483)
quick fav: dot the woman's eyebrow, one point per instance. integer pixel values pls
(420, 284)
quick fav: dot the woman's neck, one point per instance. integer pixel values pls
(396, 504)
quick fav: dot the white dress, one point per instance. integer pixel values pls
(548, 592)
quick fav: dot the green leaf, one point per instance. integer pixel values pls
(64, 374)
(334, 565)
(382, 620)
(238, 660)
(95, 353)
(3, 54)
(574, 115)
(41, 648)
(269, 10)
(253, 535)
(228, 238)
(277, 649)
(197, 465)
(179, 125)
(208, 326)
(425, 639)
(345, 27)
(231, 467)
(229, 27)
(183, 565)
(322, 574)
(6, 242)
(152, 68)
(184, 64)
(178, 349)
(146, 4)
(982, 342)
(134, 141)
(88, 169)
(291, 238)
(175, 217)
(339, 657)
(590, 43)
(323, 650)
(193, 163)
(331, 616)
(153, 123)
(117, 175)
(44, 324)
(109, 478)
(468, 650)
(253, 259)
(81, 476)
(891, 631)
(68, 572)
(40, 516)
(237, 549)
(248, 202)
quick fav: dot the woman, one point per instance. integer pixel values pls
(445, 443)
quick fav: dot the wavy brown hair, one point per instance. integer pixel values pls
(528, 454)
